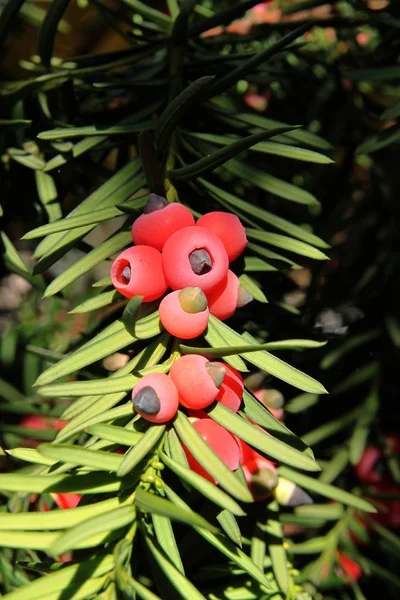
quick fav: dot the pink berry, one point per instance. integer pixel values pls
(226, 297)
(184, 313)
(272, 400)
(138, 272)
(194, 257)
(160, 219)
(156, 398)
(197, 380)
(229, 230)
(231, 389)
(220, 440)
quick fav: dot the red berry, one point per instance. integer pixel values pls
(194, 257)
(138, 272)
(220, 440)
(226, 297)
(231, 389)
(197, 380)
(184, 313)
(351, 569)
(229, 230)
(67, 500)
(155, 398)
(365, 469)
(159, 221)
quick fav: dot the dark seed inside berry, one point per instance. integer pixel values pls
(147, 401)
(155, 202)
(126, 274)
(200, 261)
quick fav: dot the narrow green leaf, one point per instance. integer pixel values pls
(253, 263)
(133, 457)
(261, 440)
(253, 287)
(215, 338)
(66, 453)
(174, 449)
(118, 188)
(258, 546)
(336, 354)
(325, 489)
(99, 414)
(93, 483)
(269, 363)
(151, 14)
(286, 243)
(274, 148)
(206, 488)
(90, 260)
(185, 588)
(154, 504)
(103, 282)
(230, 526)
(61, 580)
(209, 460)
(146, 327)
(130, 313)
(30, 455)
(97, 302)
(225, 546)
(362, 426)
(94, 217)
(358, 377)
(119, 435)
(270, 183)
(299, 135)
(76, 150)
(88, 388)
(142, 591)
(166, 538)
(91, 130)
(227, 350)
(301, 403)
(329, 512)
(178, 107)
(384, 138)
(277, 552)
(315, 545)
(391, 112)
(58, 519)
(15, 263)
(220, 157)
(330, 428)
(99, 524)
(258, 413)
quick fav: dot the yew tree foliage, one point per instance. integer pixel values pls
(312, 172)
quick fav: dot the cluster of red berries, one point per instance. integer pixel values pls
(195, 383)
(172, 251)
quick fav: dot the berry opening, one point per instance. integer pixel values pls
(124, 272)
(200, 261)
(147, 401)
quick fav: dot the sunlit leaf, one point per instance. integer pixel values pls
(324, 489)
